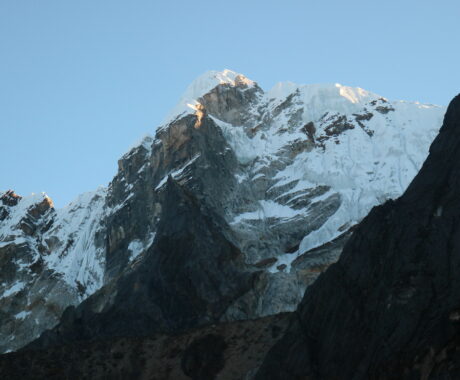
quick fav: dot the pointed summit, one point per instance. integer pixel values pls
(202, 85)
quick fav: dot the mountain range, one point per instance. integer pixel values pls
(228, 215)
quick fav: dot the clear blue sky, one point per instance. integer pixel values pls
(81, 81)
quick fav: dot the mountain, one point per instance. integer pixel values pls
(390, 307)
(236, 205)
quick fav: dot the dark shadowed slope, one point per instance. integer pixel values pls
(390, 307)
(226, 351)
(190, 275)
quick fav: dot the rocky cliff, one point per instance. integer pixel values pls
(237, 204)
(390, 307)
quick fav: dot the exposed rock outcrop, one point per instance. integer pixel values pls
(389, 308)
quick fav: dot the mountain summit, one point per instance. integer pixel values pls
(275, 182)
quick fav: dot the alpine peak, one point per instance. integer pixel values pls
(205, 83)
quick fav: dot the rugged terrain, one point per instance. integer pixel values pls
(237, 204)
(390, 307)
(230, 351)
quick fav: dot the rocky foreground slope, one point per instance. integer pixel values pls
(390, 307)
(227, 351)
(228, 213)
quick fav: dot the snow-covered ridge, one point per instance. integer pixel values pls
(70, 238)
(316, 97)
(77, 224)
(201, 86)
(52, 259)
(9, 227)
(145, 142)
(319, 95)
(362, 146)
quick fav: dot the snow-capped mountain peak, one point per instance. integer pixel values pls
(288, 172)
(202, 85)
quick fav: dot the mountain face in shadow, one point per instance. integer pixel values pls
(390, 307)
(188, 278)
(231, 350)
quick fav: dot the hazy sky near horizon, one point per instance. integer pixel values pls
(82, 81)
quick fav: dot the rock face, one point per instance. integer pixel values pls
(278, 178)
(390, 307)
(177, 286)
(226, 351)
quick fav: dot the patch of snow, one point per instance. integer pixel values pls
(267, 209)
(241, 177)
(242, 145)
(142, 168)
(176, 173)
(17, 241)
(257, 176)
(146, 142)
(22, 314)
(9, 226)
(122, 204)
(137, 247)
(17, 287)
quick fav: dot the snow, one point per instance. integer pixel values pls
(78, 223)
(176, 174)
(364, 170)
(267, 209)
(16, 213)
(119, 206)
(244, 147)
(317, 99)
(354, 95)
(201, 86)
(17, 287)
(16, 241)
(22, 314)
(137, 247)
(146, 142)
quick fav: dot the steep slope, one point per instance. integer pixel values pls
(49, 259)
(226, 351)
(178, 285)
(390, 307)
(290, 171)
